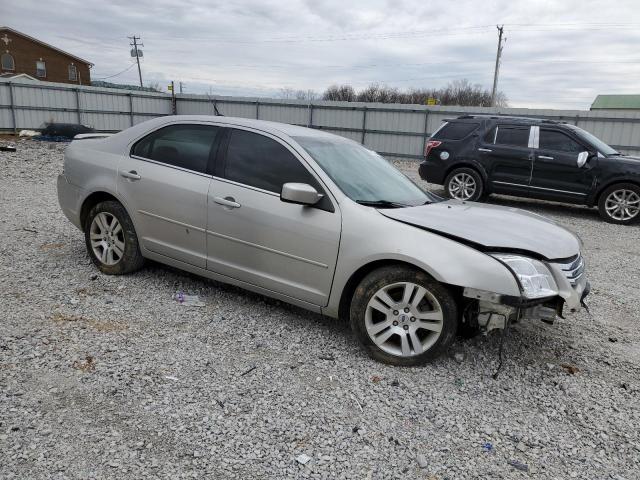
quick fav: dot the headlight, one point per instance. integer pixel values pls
(534, 277)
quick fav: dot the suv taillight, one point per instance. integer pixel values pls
(431, 144)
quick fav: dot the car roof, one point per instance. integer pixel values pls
(275, 128)
(510, 118)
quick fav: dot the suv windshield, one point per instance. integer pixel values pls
(363, 175)
(595, 141)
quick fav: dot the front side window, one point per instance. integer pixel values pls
(41, 69)
(362, 174)
(6, 60)
(184, 146)
(512, 136)
(73, 73)
(261, 162)
(558, 141)
(593, 140)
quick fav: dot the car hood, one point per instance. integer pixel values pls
(491, 227)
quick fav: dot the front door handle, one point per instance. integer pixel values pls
(485, 150)
(544, 157)
(132, 175)
(227, 202)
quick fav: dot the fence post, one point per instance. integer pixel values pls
(257, 110)
(310, 125)
(79, 107)
(364, 124)
(13, 109)
(426, 131)
(130, 108)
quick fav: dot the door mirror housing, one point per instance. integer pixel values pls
(583, 157)
(300, 193)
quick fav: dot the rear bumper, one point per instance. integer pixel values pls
(69, 198)
(432, 171)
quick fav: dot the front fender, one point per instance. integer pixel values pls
(368, 236)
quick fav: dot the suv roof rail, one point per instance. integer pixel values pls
(511, 117)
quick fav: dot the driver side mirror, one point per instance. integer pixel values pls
(300, 193)
(583, 158)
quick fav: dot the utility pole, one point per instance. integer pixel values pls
(181, 86)
(494, 90)
(136, 53)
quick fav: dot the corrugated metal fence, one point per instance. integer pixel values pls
(396, 131)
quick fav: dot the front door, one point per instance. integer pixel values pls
(507, 154)
(255, 237)
(556, 174)
(164, 184)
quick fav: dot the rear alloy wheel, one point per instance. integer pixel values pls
(464, 184)
(620, 204)
(111, 239)
(402, 316)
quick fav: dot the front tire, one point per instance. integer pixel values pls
(620, 204)
(465, 184)
(402, 316)
(111, 239)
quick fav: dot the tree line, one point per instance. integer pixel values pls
(459, 92)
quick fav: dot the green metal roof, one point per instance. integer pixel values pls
(613, 102)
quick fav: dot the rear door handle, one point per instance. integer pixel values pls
(227, 202)
(544, 157)
(485, 150)
(132, 174)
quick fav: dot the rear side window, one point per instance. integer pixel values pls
(511, 136)
(554, 140)
(261, 162)
(185, 146)
(455, 131)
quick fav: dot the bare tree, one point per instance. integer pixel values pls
(306, 95)
(344, 93)
(287, 92)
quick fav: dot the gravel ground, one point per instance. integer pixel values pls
(109, 377)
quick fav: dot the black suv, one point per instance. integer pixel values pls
(476, 155)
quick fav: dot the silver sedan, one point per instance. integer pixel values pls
(318, 221)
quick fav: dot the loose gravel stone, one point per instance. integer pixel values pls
(163, 395)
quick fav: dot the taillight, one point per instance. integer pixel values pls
(431, 144)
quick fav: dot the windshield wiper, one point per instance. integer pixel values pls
(382, 203)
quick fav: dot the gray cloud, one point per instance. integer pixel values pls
(557, 55)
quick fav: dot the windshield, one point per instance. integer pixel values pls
(363, 175)
(595, 141)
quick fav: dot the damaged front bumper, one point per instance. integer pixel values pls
(494, 311)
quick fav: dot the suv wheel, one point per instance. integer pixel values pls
(402, 316)
(464, 184)
(111, 239)
(620, 204)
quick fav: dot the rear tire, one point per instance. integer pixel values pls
(402, 316)
(620, 204)
(111, 239)
(465, 184)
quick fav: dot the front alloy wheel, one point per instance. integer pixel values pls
(620, 204)
(401, 316)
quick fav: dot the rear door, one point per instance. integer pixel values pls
(507, 154)
(255, 237)
(556, 174)
(164, 184)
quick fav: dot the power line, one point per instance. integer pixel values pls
(116, 74)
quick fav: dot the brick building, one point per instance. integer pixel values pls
(22, 54)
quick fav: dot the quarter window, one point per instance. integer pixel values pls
(455, 131)
(73, 73)
(41, 69)
(512, 136)
(6, 60)
(184, 146)
(259, 161)
(558, 141)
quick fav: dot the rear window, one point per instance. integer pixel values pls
(455, 131)
(512, 136)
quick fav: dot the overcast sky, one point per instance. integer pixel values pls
(558, 54)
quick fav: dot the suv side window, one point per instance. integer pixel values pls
(259, 161)
(185, 146)
(455, 130)
(558, 141)
(513, 136)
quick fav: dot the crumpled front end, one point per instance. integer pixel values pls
(548, 290)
